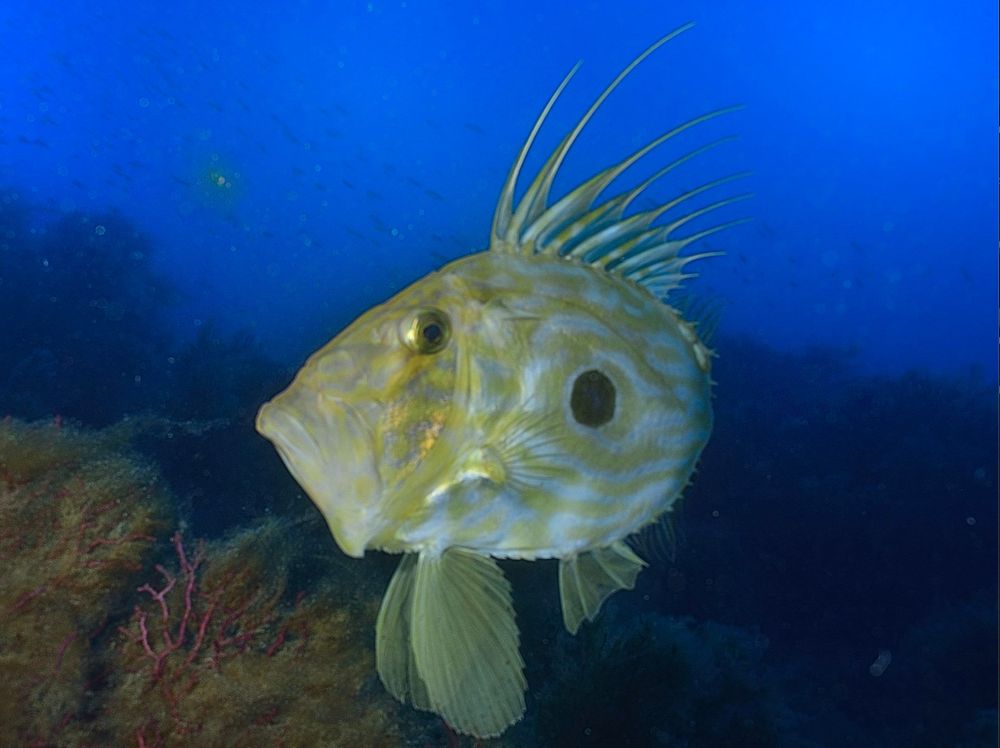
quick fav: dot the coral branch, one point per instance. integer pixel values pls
(197, 618)
(171, 642)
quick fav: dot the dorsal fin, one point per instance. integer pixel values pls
(602, 235)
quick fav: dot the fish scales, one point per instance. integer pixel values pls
(588, 471)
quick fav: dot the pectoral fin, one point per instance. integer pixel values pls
(586, 581)
(465, 642)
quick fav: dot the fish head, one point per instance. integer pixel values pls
(366, 410)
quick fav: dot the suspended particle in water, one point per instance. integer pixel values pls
(881, 663)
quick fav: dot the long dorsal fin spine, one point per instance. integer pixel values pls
(533, 203)
(667, 267)
(621, 262)
(609, 248)
(580, 228)
(660, 287)
(582, 198)
(626, 198)
(505, 205)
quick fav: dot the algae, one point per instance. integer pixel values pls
(115, 630)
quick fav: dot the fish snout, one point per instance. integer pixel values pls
(328, 447)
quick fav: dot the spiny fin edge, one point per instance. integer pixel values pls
(579, 228)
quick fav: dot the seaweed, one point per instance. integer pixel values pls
(113, 633)
(217, 653)
(78, 520)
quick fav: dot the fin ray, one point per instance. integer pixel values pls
(588, 579)
(465, 642)
(534, 201)
(505, 206)
(531, 447)
(608, 252)
(394, 659)
(657, 541)
(569, 238)
(580, 200)
(578, 227)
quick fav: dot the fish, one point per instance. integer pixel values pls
(539, 399)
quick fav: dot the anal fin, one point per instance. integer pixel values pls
(587, 580)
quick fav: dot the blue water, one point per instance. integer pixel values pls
(274, 170)
(870, 129)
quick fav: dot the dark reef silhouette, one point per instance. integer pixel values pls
(83, 311)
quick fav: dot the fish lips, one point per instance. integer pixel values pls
(328, 447)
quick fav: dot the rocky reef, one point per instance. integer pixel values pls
(118, 629)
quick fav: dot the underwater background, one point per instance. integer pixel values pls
(193, 198)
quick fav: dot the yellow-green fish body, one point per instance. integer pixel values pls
(538, 400)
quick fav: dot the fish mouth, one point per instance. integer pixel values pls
(328, 447)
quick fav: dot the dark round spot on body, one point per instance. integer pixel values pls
(593, 398)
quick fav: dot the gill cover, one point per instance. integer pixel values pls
(363, 414)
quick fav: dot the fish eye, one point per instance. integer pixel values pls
(593, 398)
(428, 332)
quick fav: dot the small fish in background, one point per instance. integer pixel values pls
(766, 230)
(38, 142)
(286, 131)
(121, 172)
(537, 400)
(42, 92)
